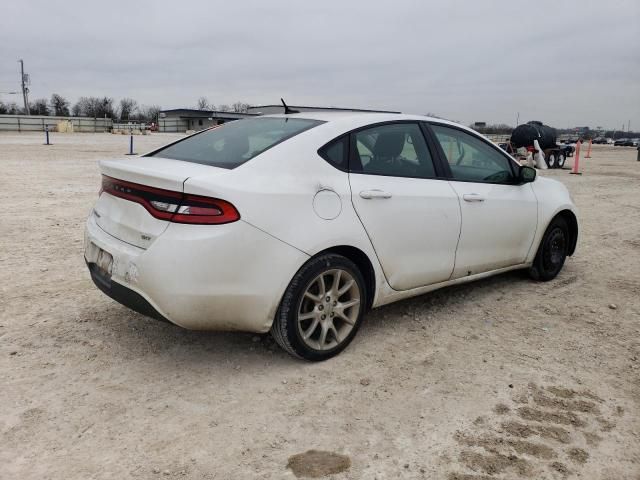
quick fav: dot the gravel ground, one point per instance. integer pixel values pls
(503, 378)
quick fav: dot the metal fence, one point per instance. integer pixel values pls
(174, 125)
(36, 123)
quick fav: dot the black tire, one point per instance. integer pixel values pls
(551, 160)
(286, 327)
(552, 251)
(561, 160)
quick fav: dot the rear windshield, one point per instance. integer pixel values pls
(236, 142)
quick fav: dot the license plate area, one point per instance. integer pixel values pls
(104, 263)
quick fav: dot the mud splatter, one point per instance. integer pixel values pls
(605, 425)
(582, 406)
(561, 468)
(568, 418)
(318, 463)
(501, 409)
(495, 463)
(497, 444)
(578, 455)
(592, 439)
(466, 476)
(518, 429)
(522, 430)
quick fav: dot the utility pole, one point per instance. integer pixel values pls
(24, 78)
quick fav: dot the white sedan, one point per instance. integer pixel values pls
(298, 224)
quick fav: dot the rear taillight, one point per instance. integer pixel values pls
(173, 206)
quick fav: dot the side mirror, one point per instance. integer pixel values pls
(527, 174)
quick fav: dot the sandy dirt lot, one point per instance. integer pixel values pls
(501, 379)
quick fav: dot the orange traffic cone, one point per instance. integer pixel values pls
(576, 161)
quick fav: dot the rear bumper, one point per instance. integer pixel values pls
(200, 277)
(122, 294)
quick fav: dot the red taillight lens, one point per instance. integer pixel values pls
(173, 206)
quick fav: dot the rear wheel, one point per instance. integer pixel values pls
(552, 251)
(560, 161)
(321, 309)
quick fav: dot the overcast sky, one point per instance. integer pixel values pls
(567, 63)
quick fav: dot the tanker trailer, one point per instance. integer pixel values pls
(524, 135)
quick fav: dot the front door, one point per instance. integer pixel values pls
(499, 218)
(412, 218)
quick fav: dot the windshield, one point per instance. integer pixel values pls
(236, 142)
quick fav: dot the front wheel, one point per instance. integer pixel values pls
(552, 252)
(321, 309)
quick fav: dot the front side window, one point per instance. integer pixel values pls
(236, 142)
(471, 159)
(397, 150)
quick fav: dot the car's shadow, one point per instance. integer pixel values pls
(134, 336)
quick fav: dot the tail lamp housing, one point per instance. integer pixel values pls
(176, 207)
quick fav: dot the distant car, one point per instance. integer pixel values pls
(622, 142)
(600, 140)
(299, 224)
(635, 142)
(570, 140)
(567, 150)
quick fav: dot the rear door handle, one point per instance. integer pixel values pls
(473, 197)
(370, 194)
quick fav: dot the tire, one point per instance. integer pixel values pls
(552, 251)
(551, 160)
(312, 321)
(561, 159)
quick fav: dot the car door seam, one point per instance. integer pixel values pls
(367, 234)
(455, 254)
(538, 215)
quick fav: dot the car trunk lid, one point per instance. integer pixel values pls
(130, 221)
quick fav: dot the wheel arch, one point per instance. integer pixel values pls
(363, 263)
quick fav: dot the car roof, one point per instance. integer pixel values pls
(361, 118)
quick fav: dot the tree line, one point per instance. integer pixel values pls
(127, 109)
(237, 107)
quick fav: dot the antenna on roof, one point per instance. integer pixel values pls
(288, 110)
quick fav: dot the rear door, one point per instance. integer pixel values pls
(499, 217)
(411, 216)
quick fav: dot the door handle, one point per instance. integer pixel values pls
(473, 197)
(369, 194)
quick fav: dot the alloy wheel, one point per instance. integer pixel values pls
(329, 309)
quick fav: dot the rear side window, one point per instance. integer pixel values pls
(236, 142)
(336, 152)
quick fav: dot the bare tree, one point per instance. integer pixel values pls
(223, 108)
(39, 107)
(240, 107)
(94, 107)
(59, 105)
(3, 108)
(203, 104)
(149, 113)
(13, 109)
(128, 107)
(76, 110)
